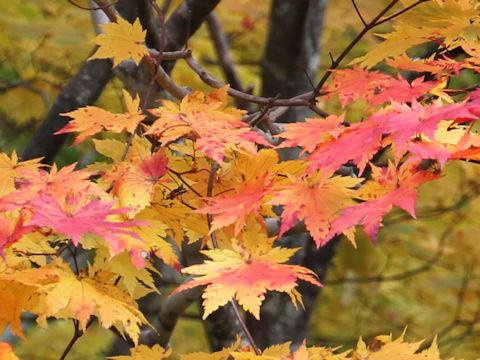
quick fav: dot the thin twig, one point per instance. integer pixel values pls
(350, 46)
(358, 12)
(222, 47)
(380, 278)
(78, 333)
(388, 18)
(92, 8)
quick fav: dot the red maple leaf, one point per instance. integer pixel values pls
(311, 133)
(351, 84)
(77, 216)
(11, 230)
(389, 187)
(359, 142)
(401, 90)
(403, 122)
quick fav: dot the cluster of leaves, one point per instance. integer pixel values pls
(200, 173)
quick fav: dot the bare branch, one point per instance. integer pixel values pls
(222, 47)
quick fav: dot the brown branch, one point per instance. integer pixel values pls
(107, 8)
(299, 100)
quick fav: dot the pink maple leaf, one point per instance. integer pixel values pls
(77, 217)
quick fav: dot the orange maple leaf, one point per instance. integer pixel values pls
(208, 121)
(121, 41)
(11, 168)
(18, 291)
(57, 183)
(90, 120)
(235, 208)
(247, 277)
(6, 352)
(314, 201)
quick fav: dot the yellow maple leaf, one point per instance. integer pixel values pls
(246, 276)
(121, 41)
(143, 352)
(90, 293)
(11, 168)
(19, 292)
(223, 354)
(384, 348)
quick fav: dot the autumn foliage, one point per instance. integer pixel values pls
(199, 172)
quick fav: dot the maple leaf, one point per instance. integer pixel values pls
(311, 133)
(6, 352)
(403, 122)
(389, 187)
(314, 201)
(208, 121)
(91, 120)
(329, 156)
(247, 277)
(401, 90)
(437, 67)
(57, 183)
(350, 84)
(450, 22)
(11, 230)
(99, 297)
(223, 354)
(144, 352)
(19, 292)
(383, 348)
(237, 207)
(121, 41)
(11, 168)
(282, 352)
(78, 216)
(134, 181)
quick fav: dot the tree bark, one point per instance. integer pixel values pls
(291, 59)
(292, 55)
